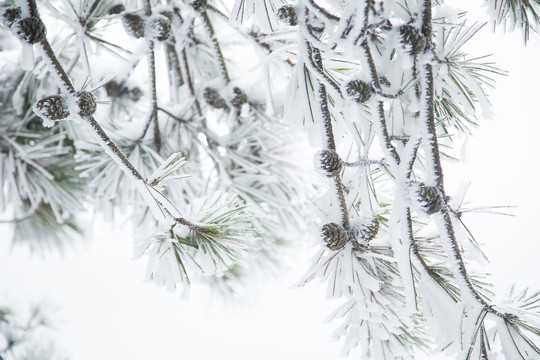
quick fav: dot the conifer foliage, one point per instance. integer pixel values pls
(158, 109)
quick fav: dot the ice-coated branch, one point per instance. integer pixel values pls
(57, 70)
(29, 8)
(313, 56)
(389, 149)
(215, 43)
(153, 92)
(85, 111)
(320, 11)
(315, 65)
(435, 175)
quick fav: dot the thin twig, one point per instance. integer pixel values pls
(153, 92)
(217, 49)
(389, 147)
(179, 119)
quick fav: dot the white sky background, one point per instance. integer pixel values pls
(103, 310)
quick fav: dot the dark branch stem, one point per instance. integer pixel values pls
(365, 25)
(327, 119)
(90, 11)
(444, 220)
(380, 107)
(32, 8)
(153, 92)
(331, 145)
(210, 30)
(106, 142)
(322, 11)
(315, 60)
(114, 150)
(58, 70)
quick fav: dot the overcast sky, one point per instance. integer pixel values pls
(103, 310)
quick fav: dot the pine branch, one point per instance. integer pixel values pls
(389, 148)
(431, 146)
(105, 141)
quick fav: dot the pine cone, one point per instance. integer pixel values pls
(160, 26)
(334, 236)
(135, 94)
(119, 90)
(239, 98)
(11, 16)
(86, 102)
(362, 231)
(31, 29)
(133, 24)
(370, 230)
(117, 9)
(412, 39)
(430, 198)
(199, 5)
(214, 99)
(358, 90)
(287, 14)
(114, 89)
(330, 162)
(52, 107)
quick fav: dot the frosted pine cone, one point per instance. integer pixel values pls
(133, 24)
(369, 230)
(214, 99)
(30, 29)
(114, 89)
(330, 162)
(412, 39)
(117, 9)
(86, 102)
(52, 107)
(358, 90)
(362, 231)
(239, 98)
(334, 236)
(287, 14)
(135, 94)
(198, 5)
(426, 198)
(160, 26)
(11, 16)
